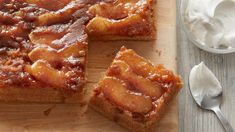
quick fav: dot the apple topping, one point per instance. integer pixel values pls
(59, 16)
(119, 9)
(47, 34)
(60, 35)
(116, 91)
(53, 5)
(101, 25)
(44, 53)
(75, 50)
(43, 72)
(138, 64)
(123, 71)
(120, 18)
(109, 10)
(52, 55)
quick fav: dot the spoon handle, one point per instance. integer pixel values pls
(227, 126)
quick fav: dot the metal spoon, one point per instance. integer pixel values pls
(210, 102)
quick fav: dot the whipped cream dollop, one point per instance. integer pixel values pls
(212, 22)
(203, 82)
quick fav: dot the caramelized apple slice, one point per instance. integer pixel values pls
(43, 72)
(75, 50)
(109, 10)
(123, 71)
(44, 53)
(52, 55)
(53, 5)
(6, 18)
(59, 16)
(143, 67)
(119, 9)
(117, 92)
(57, 36)
(46, 35)
(44, 38)
(138, 64)
(102, 26)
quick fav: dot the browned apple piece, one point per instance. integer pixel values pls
(75, 50)
(53, 5)
(53, 56)
(59, 16)
(118, 10)
(145, 86)
(138, 64)
(41, 71)
(102, 26)
(117, 92)
(13, 31)
(43, 38)
(44, 53)
(109, 10)
(74, 34)
(58, 36)
(46, 35)
(99, 25)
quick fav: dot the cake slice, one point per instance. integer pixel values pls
(134, 92)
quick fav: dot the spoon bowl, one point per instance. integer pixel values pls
(209, 102)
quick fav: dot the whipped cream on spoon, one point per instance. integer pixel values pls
(207, 92)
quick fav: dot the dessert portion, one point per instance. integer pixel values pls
(134, 92)
(122, 19)
(43, 49)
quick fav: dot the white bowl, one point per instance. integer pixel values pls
(192, 38)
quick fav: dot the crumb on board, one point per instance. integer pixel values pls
(159, 52)
(48, 110)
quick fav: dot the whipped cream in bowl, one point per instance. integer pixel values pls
(210, 24)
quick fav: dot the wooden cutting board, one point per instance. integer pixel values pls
(34, 117)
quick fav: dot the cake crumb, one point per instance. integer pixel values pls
(48, 111)
(159, 52)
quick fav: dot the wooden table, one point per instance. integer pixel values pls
(192, 118)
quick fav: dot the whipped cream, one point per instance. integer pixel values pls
(212, 22)
(203, 82)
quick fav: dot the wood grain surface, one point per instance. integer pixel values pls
(192, 118)
(62, 117)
